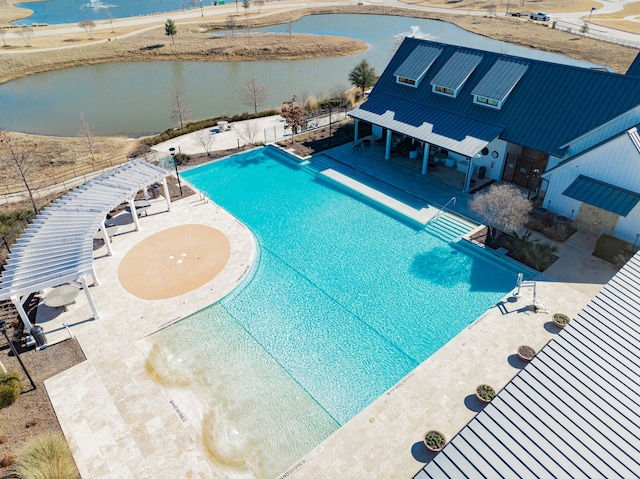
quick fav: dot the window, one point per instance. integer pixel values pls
(445, 91)
(406, 81)
(483, 100)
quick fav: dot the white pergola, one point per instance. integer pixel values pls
(57, 247)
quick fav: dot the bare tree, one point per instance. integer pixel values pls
(339, 92)
(88, 135)
(206, 140)
(21, 154)
(110, 17)
(259, 4)
(88, 26)
(503, 207)
(3, 32)
(290, 29)
(26, 33)
(231, 23)
(294, 115)
(248, 132)
(181, 111)
(253, 93)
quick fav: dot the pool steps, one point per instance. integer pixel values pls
(419, 216)
(446, 227)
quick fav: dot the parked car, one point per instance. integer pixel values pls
(540, 16)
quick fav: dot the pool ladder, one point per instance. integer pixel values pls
(441, 210)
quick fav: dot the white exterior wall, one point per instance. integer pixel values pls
(603, 132)
(616, 162)
(493, 165)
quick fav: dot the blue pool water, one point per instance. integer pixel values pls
(344, 301)
(345, 298)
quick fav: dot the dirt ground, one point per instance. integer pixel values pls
(32, 414)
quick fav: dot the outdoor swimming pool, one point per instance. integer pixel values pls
(344, 301)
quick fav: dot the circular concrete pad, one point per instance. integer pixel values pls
(174, 261)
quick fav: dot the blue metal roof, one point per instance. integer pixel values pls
(501, 78)
(418, 62)
(634, 68)
(602, 195)
(435, 126)
(551, 104)
(573, 411)
(457, 69)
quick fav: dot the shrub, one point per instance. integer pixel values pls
(10, 388)
(561, 318)
(434, 440)
(614, 250)
(531, 252)
(485, 392)
(46, 457)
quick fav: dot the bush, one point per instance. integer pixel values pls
(46, 457)
(531, 252)
(10, 388)
(434, 440)
(614, 250)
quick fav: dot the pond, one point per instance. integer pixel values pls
(136, 98)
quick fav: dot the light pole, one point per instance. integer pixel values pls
(3, 328)
(175, 165)
(592, 9)
(201, 11)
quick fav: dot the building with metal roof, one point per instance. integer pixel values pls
(57, 247)
(573, 411)
(517, 120)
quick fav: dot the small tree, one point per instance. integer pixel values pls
(22, 156)
(246, 4)
(26, 33)
(290, 29)
(259, 4)
(181, 111)
(363, 75)
(88, 135)
(110, 17)
(248, 132)
(88, 26)
(584, 28)
(294, 115)
(3, 32)
(170, 30)
(503, 207)
(232, 24)
(206, 140)
(253, 93)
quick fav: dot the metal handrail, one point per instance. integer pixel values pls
(441, 210)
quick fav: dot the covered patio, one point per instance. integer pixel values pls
(57, 247)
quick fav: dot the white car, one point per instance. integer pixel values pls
(540, 16)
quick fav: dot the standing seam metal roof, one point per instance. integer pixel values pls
(57, 246)
(574, 411)
(501, 78)
(418, 62)
(602, 195)
(457, 69)
(551, 105)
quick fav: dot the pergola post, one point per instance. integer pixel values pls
(17, 302)
(96, 315)
(167, 198)
(387, 149)
(467, 180)
(105, 237)
(134, 213)
(95, 277)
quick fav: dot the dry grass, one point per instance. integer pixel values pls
(46, 457)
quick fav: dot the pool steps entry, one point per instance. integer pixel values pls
(443, 225)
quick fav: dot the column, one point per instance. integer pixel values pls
(356, 122)
(387, 149)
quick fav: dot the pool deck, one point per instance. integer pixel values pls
(121, 424)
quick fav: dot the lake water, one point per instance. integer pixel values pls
(135, 98)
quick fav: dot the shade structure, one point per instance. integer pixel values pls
(57, 247)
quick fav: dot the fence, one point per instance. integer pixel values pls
(58, 182)
(569, 28)
(315, 122)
